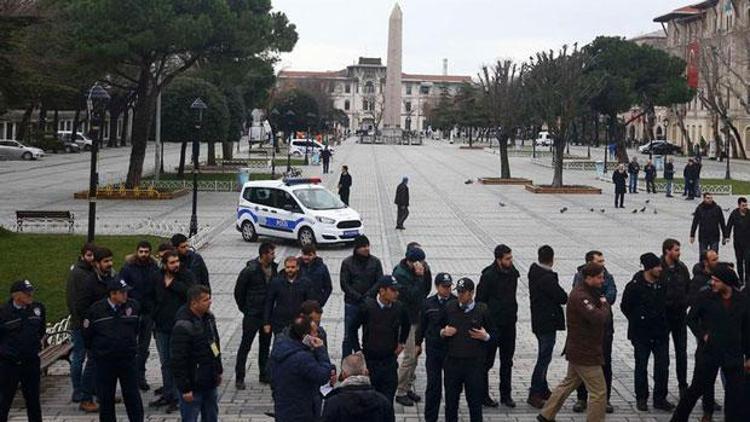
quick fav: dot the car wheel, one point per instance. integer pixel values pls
(87, 147)
(68, 149)
(306, 237)
(297, 154)
(248, 232)
(27, 156)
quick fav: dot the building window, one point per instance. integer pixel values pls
(408, 106)
(369, 88)
(424, 90)
(348, 88)
(347, 105)
(408, 89)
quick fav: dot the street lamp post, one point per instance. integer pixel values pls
(310, 117)
(199, 106)
(98, 99)
(727, 174)
(290, 119)
(275, 113)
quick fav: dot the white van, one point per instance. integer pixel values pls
(544, 139)
(298, 146)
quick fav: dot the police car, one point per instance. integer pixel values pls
(298, 209)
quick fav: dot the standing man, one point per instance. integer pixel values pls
(721, 321)
(429, 329)
(286, 293)
(325, 156)
(547, 318)
(675, 277)
(467, 329)
(650, 174)
(701, 281)
(609, 291)
(633, 169)
(386, 328)
(709, 219)
(82, 380)
(644, 305)
(311, 266)
(359, 276)
(191, 260)
(497, 290)
(141, 271)
(402, 203)
(111, 331)
(739, 220)
(669, 175)
(587, 314)
(345, 184)
(689, 173)
(22, 328)
(250, 295)
(196, 357)
(410, 274)
(619, 178)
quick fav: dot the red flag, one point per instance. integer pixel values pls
(693, 57)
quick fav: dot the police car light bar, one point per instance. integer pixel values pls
(302, 181)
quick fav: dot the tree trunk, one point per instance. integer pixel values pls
(502, 142)
(114, 115)
(56, 123)
(738, 147)
(76, 122)
(181, 166)
(142, 119)
(622, 150)
(211, 160)
(226, 150)
(557, 178)
(470, 140)
(24, 133)
(42, 121)
(125, 126)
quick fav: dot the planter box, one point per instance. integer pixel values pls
(565, 190)
(472, 147)
(134, 194)
(500, 181)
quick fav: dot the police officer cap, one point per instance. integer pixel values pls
(726, 274)
(465, 284)
(388, 281)
(443, 278)
(118, 284)
(21, 286)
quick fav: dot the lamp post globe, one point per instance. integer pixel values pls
(198, 107)
(97, 100)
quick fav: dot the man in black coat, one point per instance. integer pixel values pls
(312, 267)
(250, 296)
(345, 184)
(675, 277)
(649, 171)
(497, 289)
(286, 292)
(547, 318)
(619, 178)
(709, 219)
(690, 175)
(402, 202)
(739, 220)
(191, 260)
(196, 357)
(669, 175)
(325, 157)
(355, 399)
(720, 320)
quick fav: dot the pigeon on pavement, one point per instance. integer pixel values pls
(563, 209)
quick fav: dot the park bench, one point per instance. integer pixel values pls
(57, 345)
(39, 217)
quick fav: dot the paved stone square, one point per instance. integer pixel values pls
(458, 225)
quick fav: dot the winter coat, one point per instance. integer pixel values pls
(619, 178)
(358, 277)
(669, 171)
(650, 172)
(194, 262)
(110, 334)
(644, 305)
(356, 400)
(74, 292)
(21, 332)
(741, 225)
(690, 173)
(196, 352)
(609, 291)
(297, 373)
(710, 219)
(93, 289)
(320, 278)
(411, 290)
(546, 297)
(141, 276)
(677, 282)
(587, 319)
(345, 182)
(728, 330)
(325, 154)
(402, 195)
(634, 168)
(284, 299)
(700, 283)
(252, 287)
(170, 299)
(430, 323)
(497, 289)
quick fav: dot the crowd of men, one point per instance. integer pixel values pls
(626, 179)
(463, 328)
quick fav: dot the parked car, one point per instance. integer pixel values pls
(82, 140)
(544, 139)
(659, 147)
(299, 146)
(14, 150)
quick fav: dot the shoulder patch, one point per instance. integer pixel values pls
(37, 311)
(86, 323)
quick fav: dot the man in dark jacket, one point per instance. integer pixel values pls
(171, 289)
(111, 331)
(739, 220)
(547, 318)
(435, 348)
(427, 279)
(402, 203)
(300, 365)
(22, 328)
(497, 289)
(345, 184)
(191, 260)
(669, 176)
(644, 305)
(250, 295)
(311, 266)
(82, 380)
(709, 219)
(196, 357)
(649, 171)
(721, 321)
(286, 292)
(633, 169)
(701, 281)
(619, 178)
(675, 277)
(355, 399)
(140, 272)
(587, 314)
(325, 157)
(410, 275)
(358, 277)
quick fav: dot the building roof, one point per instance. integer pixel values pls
(330, 74)
(649, 35)
(436, 78)
(687, 12)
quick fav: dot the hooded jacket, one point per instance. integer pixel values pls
(644, 305)
(356, 400)
(251, 288)
(358, 277)
(297, 373)
(546, 297)
(170, 299)
(74, 292)
(709, 218)
(320, 278)
(140, 276)
(497, 289)
(676, 280)
(196, 351)
(741, 225)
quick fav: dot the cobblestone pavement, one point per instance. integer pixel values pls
(458, 225)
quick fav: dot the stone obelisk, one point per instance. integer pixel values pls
(392, 106)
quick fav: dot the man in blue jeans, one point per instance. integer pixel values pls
(547, 318)
(633, 169)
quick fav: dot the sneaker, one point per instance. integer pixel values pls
(508, 402)
(239, 385)
(489, 402)
(641, 405)
(143, 385)
(89, 407)
(580, 406)
(664, 405)
(541, 418)
(610, 408)
(535, 401)
(160, 402)
(404, 401)
(416, 398)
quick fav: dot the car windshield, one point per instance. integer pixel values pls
(318, 199)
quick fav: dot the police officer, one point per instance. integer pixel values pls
(22, 324)
(429, 330)
(111, 329)
(466, 330)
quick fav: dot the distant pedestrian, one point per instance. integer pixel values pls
(612, 150)
(325, 156)
(739, 221)
(633, 169)
(708, 219)
(619, 178)
(649, 171)
(355, 399)
(312, 267)
(402, 203)
(697, 182)
(669, 176)
(191, 260)
(286, 292)
(345, 184)
(689, 173)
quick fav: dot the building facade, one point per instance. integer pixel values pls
(359, 91)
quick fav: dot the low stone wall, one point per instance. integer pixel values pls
(565, 190)
(500, 181)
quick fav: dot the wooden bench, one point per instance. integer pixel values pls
(43, 218)
(57, 345)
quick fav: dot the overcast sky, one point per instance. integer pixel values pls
(469, 33)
